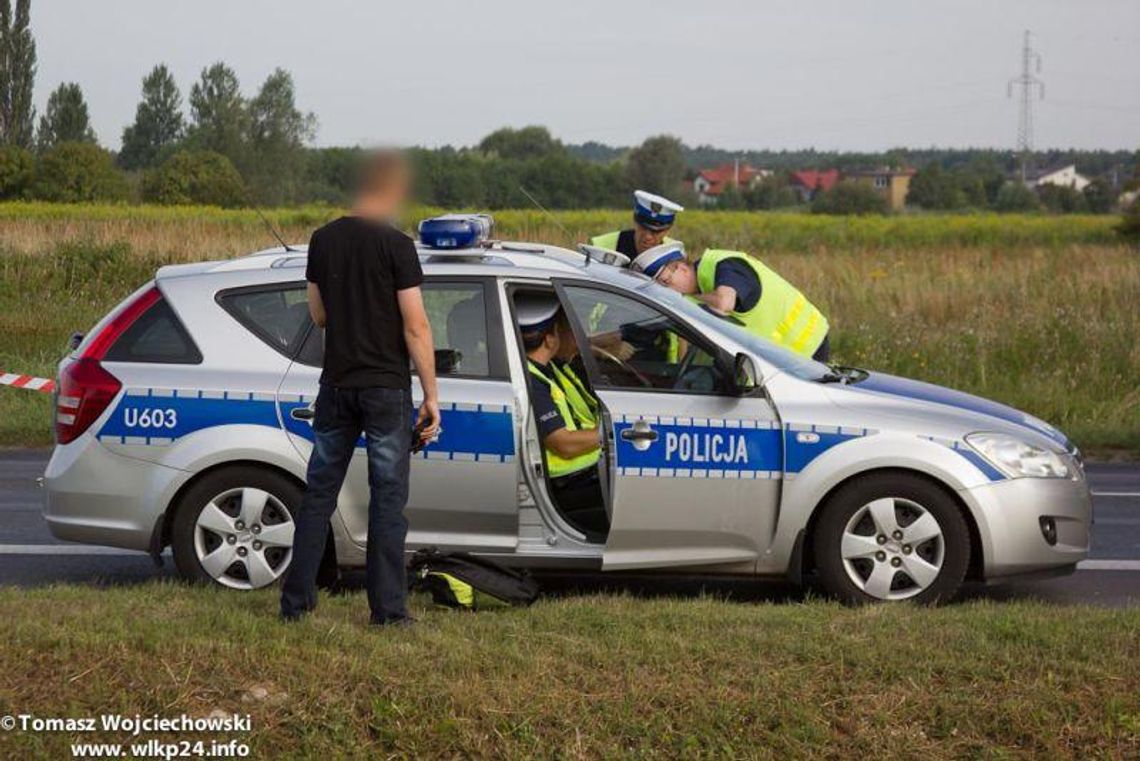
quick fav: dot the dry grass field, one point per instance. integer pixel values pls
(1035, 311)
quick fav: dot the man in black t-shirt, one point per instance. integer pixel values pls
(364, 290)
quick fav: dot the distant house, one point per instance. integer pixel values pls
(1063, 177)
(710, 183)
(891, 183)
(808, 182)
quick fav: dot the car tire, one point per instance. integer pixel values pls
(234, 527)
(862, 556)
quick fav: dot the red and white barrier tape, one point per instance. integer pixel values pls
(30, 382)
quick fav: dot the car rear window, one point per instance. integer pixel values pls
(277, 314)
(157, 336)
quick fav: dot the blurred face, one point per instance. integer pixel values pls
(645, 239)
(680, 276)
(385, 185)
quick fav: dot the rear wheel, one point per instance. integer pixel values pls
(235, 526)
(891, 536)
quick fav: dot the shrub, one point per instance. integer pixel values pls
(1014, 196)
(195, 177)
(849, 197)
(1130, 226)
(17, 168)
(72, 172)
(1063, 199)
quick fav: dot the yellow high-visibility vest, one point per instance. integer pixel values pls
(783, 314)
(610, 240)
(581, 401)
(557, 466)
(607, 240)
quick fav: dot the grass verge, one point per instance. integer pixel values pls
(583, 676)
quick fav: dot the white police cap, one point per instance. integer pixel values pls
(652, 261)
(536, 311)
(654, 211)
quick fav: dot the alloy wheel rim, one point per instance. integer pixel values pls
(243, 538)
(892, 548)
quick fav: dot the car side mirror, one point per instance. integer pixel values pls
(745, 379)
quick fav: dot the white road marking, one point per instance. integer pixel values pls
(1109, 565)
(1116, 493)
(65, 549)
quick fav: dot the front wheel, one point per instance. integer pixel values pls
(235, 526)
(891, 536)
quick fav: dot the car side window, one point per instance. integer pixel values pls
(278, 314)
(157, 336)
(458, 315)
(638, 347)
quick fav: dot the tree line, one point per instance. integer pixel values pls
(222, 147)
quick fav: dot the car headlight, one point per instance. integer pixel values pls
(1019, 459)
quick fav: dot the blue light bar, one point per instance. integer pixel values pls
(456, 230)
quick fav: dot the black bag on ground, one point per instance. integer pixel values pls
(460, 580)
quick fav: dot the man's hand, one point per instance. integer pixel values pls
(417, 333)
(428, 418)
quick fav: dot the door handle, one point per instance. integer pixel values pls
(640, 435)
(302, 413)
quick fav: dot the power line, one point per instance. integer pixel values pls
(1027, 83)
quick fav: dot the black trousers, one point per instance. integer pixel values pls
(579, 500)
(384, 415)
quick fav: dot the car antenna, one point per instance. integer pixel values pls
(273, 231)
(551, 217)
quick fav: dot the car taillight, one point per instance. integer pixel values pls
(85, 387)
(101, 343)
(85, 390)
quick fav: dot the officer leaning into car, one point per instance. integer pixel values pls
(653, 216)
(742, 286)
(570, 438)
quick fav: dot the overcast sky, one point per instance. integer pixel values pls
(840, 74)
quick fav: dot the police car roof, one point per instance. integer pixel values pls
(496, 256)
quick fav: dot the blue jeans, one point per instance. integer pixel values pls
(384, 415)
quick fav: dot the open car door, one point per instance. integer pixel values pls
(694, 470)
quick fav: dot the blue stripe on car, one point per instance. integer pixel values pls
(702, 448)
(150, 417)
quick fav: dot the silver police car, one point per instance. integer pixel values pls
(183, 419)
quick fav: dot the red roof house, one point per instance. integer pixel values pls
(710, 183)
(808, 182)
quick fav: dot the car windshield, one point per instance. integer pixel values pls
(785, 360)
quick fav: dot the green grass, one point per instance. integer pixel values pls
(586, 676)
(1034, 311)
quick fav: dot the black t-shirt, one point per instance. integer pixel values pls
(358, 266)
(546, 413)
(741, 278)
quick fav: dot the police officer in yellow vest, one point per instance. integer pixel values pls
(570, 439)
(569, 372)
(653, 216)
(735, 283)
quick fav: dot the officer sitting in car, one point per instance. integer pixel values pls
(570, 439)
(570, 372)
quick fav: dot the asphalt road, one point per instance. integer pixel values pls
(30, 556)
